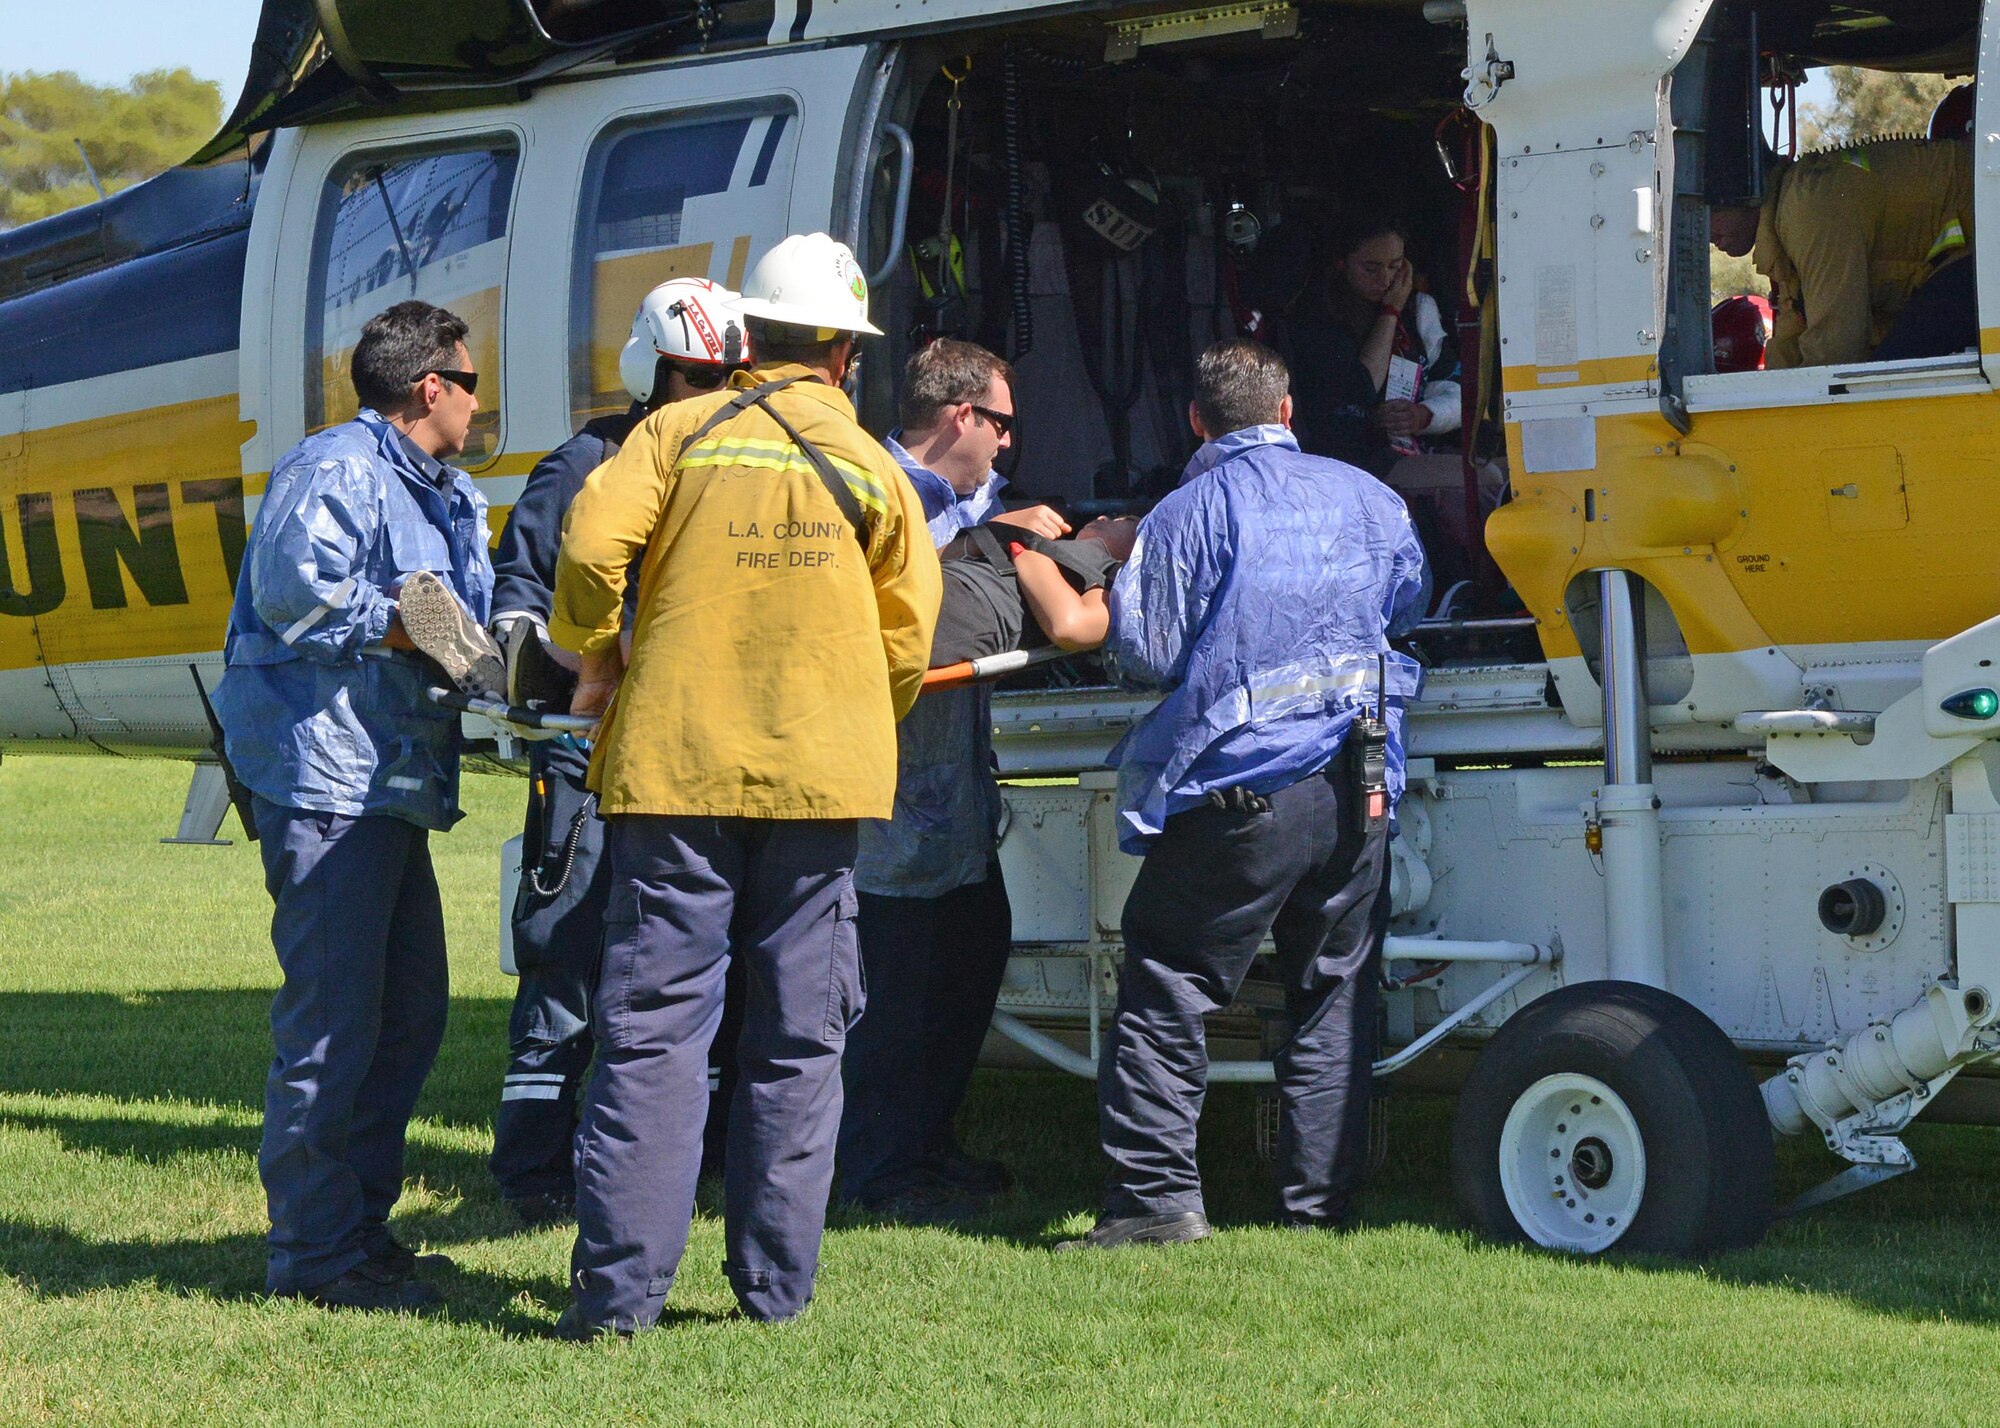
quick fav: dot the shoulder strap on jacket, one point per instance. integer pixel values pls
(830, 478)
(735, 407)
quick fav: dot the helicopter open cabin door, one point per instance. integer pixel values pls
(541, 223)
(1986, 188)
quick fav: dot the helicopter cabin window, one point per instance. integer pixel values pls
(1824, 214)
(686, 197)
(393, 227)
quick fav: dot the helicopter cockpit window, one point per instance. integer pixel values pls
(1826, 156)
(430, 226)
(694, 196)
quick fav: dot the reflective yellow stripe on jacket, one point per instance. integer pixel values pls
(719, 450)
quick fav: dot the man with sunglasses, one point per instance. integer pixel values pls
(351, 767)
(687, 337)
(935, 925)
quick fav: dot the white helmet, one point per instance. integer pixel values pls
(810, 280)
(690, 320)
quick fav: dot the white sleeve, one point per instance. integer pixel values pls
(1429, 325)
(1440, 398)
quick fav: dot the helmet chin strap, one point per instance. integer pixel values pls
(732, 345)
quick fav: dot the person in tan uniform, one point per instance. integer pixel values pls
(788, 591)
(1847, 238)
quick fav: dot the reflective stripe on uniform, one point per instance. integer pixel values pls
(1330, 684)
(532, 1086)
(783, 456)
(336, 599)
(1952, 237)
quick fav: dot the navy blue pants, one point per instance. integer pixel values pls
(1211, 888)
(359, 933)
(688, 896)
(933, 968)
(558, 936)
(1941, 317)
(558, 918)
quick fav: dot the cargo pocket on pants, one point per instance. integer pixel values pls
(847, 987)
(611, 1002)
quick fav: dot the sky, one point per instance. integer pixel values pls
(109, 41)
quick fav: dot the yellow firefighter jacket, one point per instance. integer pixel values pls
(1847, 236)
(771, 656)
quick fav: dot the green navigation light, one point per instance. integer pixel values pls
(1972, 704)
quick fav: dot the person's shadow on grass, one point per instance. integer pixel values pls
(189, 1066)
(54, 1262)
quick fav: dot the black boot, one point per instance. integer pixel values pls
(372, 1285)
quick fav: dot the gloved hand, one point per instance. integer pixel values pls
(1236, 799)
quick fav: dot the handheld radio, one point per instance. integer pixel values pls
(1371, 763)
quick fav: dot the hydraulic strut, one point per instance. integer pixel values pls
(1864, 1088)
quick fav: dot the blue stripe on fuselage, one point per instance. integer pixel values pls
(167, 307)
(765, 155)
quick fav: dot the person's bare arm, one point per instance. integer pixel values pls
(1043, 520)
(598, 680)
(1380, 343)
(1071, 621)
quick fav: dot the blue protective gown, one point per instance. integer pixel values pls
(316, 713)
(1259, 596)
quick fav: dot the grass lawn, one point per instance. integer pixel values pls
(134, 981)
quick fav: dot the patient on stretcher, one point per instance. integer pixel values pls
(1006, 589)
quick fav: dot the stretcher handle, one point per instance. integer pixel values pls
(501, 712)
(977, 671)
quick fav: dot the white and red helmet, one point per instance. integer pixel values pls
(690, 320)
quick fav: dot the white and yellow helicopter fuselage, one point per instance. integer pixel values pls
(1747, 773)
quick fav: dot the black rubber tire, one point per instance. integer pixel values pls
(1708, 1142)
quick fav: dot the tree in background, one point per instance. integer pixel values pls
(1871, 104)
(130, 132)
(1867, 104)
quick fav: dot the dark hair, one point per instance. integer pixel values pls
(398, 346)
(1239, 383)
(1355, 229)
(944, 374)
(772, 342)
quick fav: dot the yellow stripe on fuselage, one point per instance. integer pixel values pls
(1593, 372)
(121, 534)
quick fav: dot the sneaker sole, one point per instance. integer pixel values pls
(1184, 1235)
(436, 625)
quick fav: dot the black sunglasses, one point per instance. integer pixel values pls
(467, 380)
(1003, 422)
